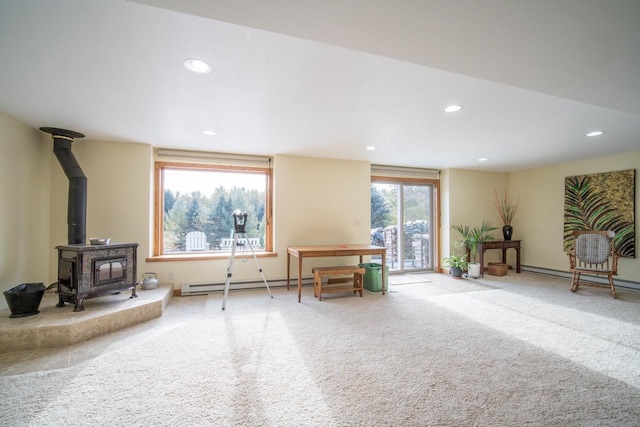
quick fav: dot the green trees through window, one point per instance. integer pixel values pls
(197, 207)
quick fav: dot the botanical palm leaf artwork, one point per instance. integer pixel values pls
(603, 201)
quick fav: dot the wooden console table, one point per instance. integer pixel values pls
(332, 250)
(499, 244)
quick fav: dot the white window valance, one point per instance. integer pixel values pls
(226, 159)
(404, 172)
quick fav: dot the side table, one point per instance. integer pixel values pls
(499, 244)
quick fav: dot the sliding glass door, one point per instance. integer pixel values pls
(401, 220)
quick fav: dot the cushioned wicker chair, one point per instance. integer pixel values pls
(593, 253)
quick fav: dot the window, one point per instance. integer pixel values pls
(194, 204)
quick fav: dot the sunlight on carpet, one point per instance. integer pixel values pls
(264, 353)
(569, 333)
(406, 279)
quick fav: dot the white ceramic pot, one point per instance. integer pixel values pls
(474, 270)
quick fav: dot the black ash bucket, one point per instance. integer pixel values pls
(24, 300)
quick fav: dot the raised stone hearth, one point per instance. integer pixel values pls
(61, 326)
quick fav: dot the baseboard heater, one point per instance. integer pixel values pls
(202, 288)
(628, 284)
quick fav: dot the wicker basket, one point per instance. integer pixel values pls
(498, 268)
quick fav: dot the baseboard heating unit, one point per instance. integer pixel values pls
(187, 289)
(596, 279)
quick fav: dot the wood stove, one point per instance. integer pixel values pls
(87, 271)
(96, 270)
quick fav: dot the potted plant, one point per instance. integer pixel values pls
(471, 237)
(456, 264)
(507, 209)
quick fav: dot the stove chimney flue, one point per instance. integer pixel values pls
(77, 205)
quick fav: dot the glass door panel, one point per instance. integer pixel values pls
(384, 222)
(416, 204)
(400, 221)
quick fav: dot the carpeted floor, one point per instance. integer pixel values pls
(499, 351)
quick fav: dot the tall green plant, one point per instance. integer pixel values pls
(472, 236)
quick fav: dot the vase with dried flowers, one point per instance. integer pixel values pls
(507, 209)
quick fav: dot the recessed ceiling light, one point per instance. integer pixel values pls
(197, 65)
(595, 133)
(370, 148)
(453, 108)
(483, 159)
(208, 132)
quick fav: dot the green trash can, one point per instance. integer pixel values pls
(373, 276)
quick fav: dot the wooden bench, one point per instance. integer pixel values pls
(337, 284)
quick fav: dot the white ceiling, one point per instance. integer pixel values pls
(328, 78)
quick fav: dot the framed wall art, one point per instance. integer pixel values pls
(602, 201)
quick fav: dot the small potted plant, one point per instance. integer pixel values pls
(471, 237)
(507, 209)
(456, 264)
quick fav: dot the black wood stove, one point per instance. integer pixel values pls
(92, 271)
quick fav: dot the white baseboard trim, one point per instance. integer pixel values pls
(201, 288)
(628, 284)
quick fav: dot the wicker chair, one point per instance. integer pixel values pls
(593, 253)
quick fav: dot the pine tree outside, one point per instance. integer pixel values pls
(203, 200)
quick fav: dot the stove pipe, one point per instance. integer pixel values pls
(77, 208)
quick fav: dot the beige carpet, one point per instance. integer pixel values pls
(405, 279)
(501, 351)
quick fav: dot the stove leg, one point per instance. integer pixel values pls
(79, 305)
(60, 302)
(133, 292)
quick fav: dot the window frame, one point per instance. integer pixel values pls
(158, 229)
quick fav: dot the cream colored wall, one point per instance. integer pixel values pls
(321, 201)
(471, 200)
(118, 195)
(540, 218)
(24, 206)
